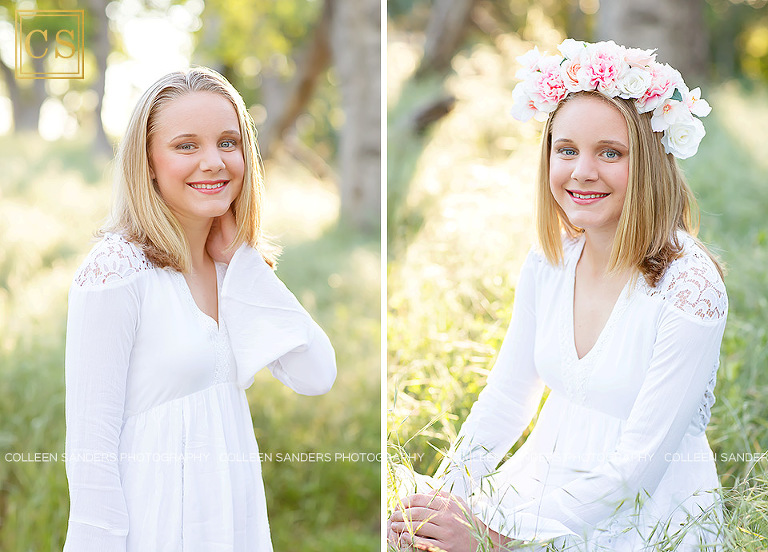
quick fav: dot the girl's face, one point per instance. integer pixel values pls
(589, 163)
(196, 156)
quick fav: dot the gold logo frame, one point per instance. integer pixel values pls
(72, 37)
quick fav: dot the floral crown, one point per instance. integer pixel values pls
(613, 70)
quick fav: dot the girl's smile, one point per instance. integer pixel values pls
(209, 186)
(586, 198)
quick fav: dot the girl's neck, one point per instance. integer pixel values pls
(197, 236)
(597, 252)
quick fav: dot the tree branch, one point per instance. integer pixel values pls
(288, 101)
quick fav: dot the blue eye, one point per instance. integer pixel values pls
(612, 154)
(185, 146)
(566, 151)
(228, 144)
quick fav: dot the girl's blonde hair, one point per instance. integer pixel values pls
(140, 214)
(657, 204)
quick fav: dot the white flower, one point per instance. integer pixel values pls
(572, 49)
(530, 58)
(669, 113)
(633, 82)
(682, 138)
(529, 62)
(522, 106)
(695, 104)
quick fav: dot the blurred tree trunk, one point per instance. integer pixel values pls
(675, 27)
(284, 103)
(207, 39)
(100, 46)
(576, 23)
(447, 25)
(25, 101)
(356, 47)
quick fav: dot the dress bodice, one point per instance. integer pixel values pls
(610, 375)
(177, 349)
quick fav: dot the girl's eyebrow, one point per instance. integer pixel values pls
(188, 135)
(601, 142)
(613, 143)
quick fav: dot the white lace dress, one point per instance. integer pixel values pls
(160, 447)
(618, 459)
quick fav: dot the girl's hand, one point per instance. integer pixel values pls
(442, 522)
(223, 231)
(437, 520)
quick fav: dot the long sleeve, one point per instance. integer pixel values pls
(507, 404)
(101, 327)
(269, 327)
(689, 332)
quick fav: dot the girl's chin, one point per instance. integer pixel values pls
(203, 215)
(591, 222)
(590, 226)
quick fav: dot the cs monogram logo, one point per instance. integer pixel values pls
(52, 36)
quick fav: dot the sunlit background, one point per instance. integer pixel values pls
(310, 78)
(153, 43)
(460, 194)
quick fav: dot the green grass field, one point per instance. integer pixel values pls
(53, 196)
(462, 202)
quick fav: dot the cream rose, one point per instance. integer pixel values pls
(633, 82)
(682, 138)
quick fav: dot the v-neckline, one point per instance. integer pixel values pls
(618, 308)
(205, 317)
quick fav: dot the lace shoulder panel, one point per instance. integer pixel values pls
(692, 284)
(111, 260)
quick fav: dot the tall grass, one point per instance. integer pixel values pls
(451, 284)
(52, 199)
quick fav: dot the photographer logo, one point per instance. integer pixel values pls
(49, 44)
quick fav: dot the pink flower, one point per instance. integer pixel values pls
(573, 76)
(664, 81)
(636, 57)
(548, 87)
(574, 58)
(602, 67)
